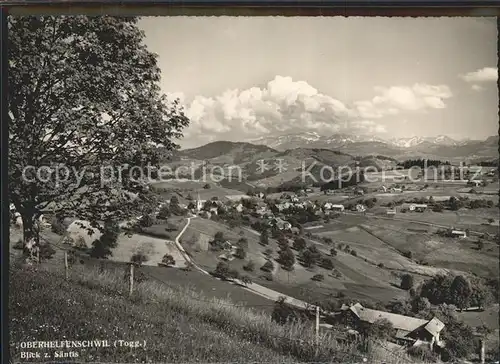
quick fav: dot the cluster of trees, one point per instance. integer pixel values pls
(457, 290)
(286, 257)
(422, 163)
(286, 187)
(301, 215)
(493, 163)
(241, 248)
(101, 248)
(455, 204)
(223, 271)
(310, 256)
(217, 244)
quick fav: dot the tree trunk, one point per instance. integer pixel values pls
(31, 236)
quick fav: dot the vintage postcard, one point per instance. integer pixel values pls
(253, 189)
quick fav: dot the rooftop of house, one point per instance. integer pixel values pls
(399, 322)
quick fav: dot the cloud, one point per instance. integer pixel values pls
(485, 74)
(368, 126)
(393, 100)
(285, 105)
(477, 88)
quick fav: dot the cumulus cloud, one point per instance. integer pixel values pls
(285, 105)
(393, 100)
(477, 88)
(485, 74)
(367, 126)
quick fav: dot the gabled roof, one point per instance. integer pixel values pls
(434, 326)
(399, 322)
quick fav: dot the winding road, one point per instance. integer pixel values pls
(252, 287)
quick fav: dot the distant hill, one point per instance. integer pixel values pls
(263, 166)
(438, 147)
(270, 165)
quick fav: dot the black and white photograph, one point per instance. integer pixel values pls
(253, 189)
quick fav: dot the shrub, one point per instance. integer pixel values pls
(408, 254)
(223, 271)
(336, 274)
(318, 277)
(146, 221)
(101, 248)
(380, 265)
(284, 313)
(250, 266)
(354, 253)
(57, 226)
(333, 252)
(422, 353)
(46, 251)
(168, 259)
(327, 263)
(139, 258)
(268, 266)
(299, 244)
(240, 253)
(407, 282)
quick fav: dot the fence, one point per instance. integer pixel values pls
(320, 338)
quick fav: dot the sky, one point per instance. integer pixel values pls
(240, 78)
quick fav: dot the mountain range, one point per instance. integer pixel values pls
(438, 147)
(310, 151)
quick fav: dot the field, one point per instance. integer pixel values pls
(440, 252)
(154, 249)
(359, 279)
(184, 188)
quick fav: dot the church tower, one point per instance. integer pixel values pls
(199, 203)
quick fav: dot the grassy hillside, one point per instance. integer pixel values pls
(177, 325)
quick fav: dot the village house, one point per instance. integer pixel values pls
(417, 207)
(391, 212)
(333, 207)
(458, 234)
(281, 224)
(396, 190)
(360, 208)
(409, 331)
(239, 207)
